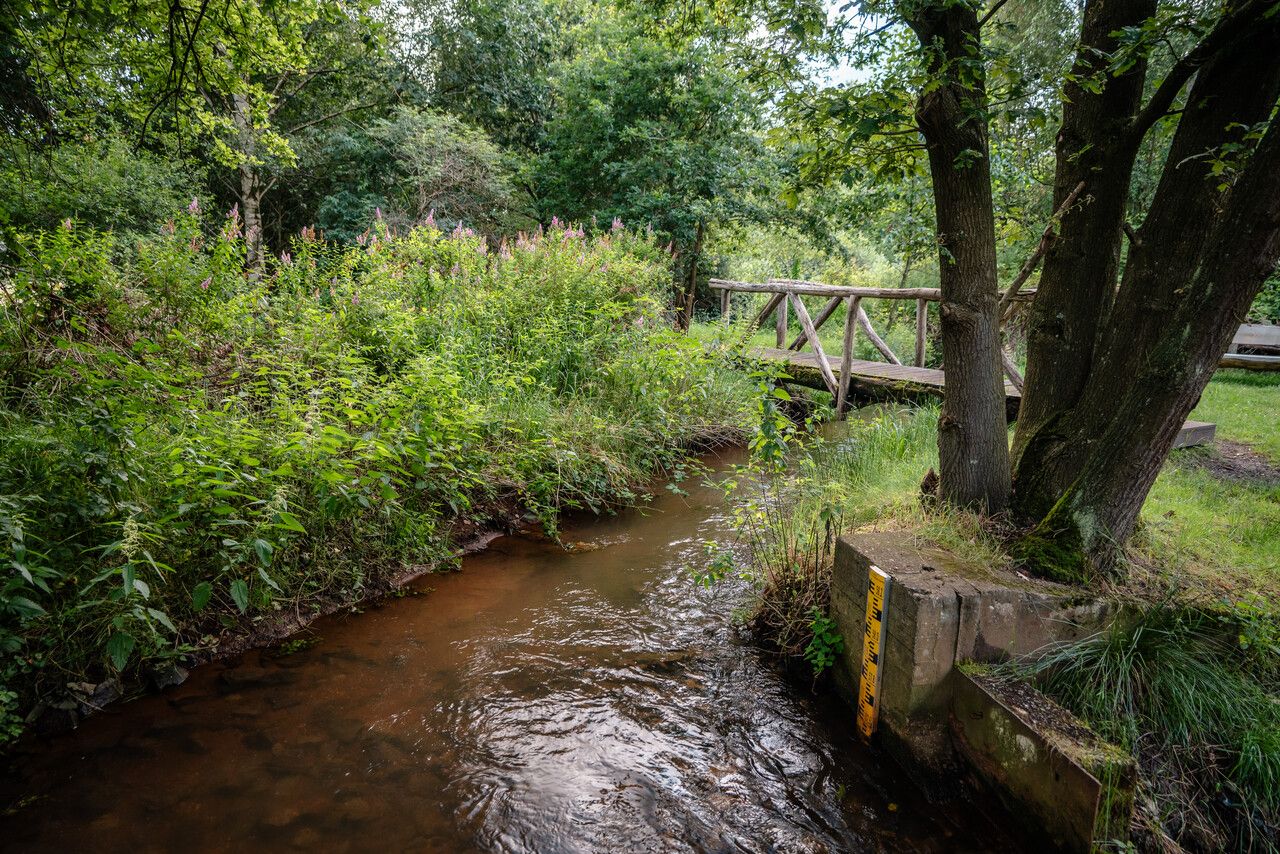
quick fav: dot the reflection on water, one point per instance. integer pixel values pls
(538, 701)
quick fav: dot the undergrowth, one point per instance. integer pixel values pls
(1194, 694)
(1192, 691)
(187, 451)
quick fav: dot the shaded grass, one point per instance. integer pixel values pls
(1222, 533)
(1246, 407)
(1179, 686)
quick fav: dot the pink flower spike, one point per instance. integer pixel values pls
(204, 286)
(431, 217)
(377, 212)
(617, 224)
(355, 299)
(194, 207)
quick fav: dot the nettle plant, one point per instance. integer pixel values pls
(186, 448)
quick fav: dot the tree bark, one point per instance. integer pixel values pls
(692, 286)
(1236, 89)
(972, 435)
(1079, 538)
(1080, 267)
(252, 187)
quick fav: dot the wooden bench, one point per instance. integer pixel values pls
(1263, 342)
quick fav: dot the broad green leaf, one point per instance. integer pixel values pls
(119, 647)
(264, 550)
(163, 618)
(240, 593)
(262, 573)
(289, 522)
(201, 594)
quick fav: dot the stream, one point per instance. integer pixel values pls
(537, 701)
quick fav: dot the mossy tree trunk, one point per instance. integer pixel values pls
(1080, 267)
(973, 455)
(1112, 377)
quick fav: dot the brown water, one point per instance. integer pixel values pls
(538, 701)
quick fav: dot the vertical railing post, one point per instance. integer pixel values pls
(846, 357)
(922, 329)
(781, 323)
(725, 300)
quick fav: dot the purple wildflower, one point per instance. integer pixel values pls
(617, 224)
(204, 286)
(194, 207)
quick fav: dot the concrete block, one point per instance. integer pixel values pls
(941, 612)
(1069, 788)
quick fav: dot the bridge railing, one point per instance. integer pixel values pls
(786, 295)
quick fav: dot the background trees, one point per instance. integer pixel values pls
(942, 133)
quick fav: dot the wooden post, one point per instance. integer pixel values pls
(827, 310)
(781, 321)
(725, 300)
(922, 330)
(1011, 370)
(876, 340)
(846, 358)
(824, 366)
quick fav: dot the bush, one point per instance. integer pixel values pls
(1195, 694)
(185, 451)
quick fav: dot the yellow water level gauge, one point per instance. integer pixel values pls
(878, 583)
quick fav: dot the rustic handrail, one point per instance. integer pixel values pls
(789, 286)
(786, 294)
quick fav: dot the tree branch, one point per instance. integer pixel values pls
(1231, 27)
(990, 12)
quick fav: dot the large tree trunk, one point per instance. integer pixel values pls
(973, 451)
(1094, 146)
(1235, 90)
(1080, 535)
(251, 192)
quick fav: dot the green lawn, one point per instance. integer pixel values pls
(1246, 407)
(1222, 532)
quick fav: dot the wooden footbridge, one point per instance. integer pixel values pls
(888, 380)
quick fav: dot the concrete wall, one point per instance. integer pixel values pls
(1069, 788)
(941, 613)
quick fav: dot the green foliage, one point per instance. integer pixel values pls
(185, 450)
(827, 643)
(447, 170)
(1175, 684)
(1266, 307)
(103, 184)
(653, 134)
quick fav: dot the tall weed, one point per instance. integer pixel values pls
(186, 450)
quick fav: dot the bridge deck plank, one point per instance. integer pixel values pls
(878, 378)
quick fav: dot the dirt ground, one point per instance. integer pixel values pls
(1236, 461)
